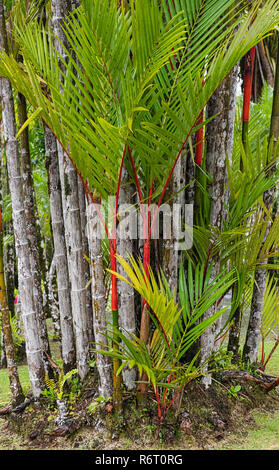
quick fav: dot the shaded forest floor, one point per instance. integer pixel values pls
(208, 420)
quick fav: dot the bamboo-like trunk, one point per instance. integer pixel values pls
(145, 316)
(7, 228)
(85, 252)
(126, 307)
(265, 64)
(253, 334)
(60, 252)
(219, 137)
(76, 270)
(171, 254)
(15, 385)
(104, 365)
(6, 330)
(53, 300)
(30, 209)
(33, 347)
(72, 220)
(10, 265)
(234, 333)
(117, 381)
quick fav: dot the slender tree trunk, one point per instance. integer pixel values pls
(85, 253)
(33, 347)
(72, 219)
(9, 263)
(104, 365)
(234, 334)
(190, 179)
(53, 300)
(9, 249)
(15, 386)
(171, 254)
(266, 65)
(253, 334)
(60, 252)
(75, 4)
(126, 299)
(76, 270)
(219, 145)
(30, 210)
(6, 330)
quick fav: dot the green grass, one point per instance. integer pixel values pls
(5, 394)
(273, 365)
(264, 436)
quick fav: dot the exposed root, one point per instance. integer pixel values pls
(266, 382)
(17, 409)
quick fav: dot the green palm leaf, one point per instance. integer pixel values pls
(122, 87)
(270, 316)
(175, 329)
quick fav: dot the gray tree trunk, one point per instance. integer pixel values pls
(76, 270)
(171, 254)
(126, 309)
(7, 343)
(9, 249)
(85, 252)
(60, 252)
(53, 300)
(10, 354)
(104, 365)
(219, 137)
(72, 220)
(253, 335)
(30, 210)
(33, 346)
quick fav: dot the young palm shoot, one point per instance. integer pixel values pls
(176, 330)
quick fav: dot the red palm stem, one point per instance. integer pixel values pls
(199, 141)
(112, 240)
(247, 92)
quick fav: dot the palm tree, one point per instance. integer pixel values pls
(60, 252)
(30, 213)
(219, 147)
(33, 346)
(15, 385)
(71, 210)
(99, 300)
(176, 328)
(133, 92)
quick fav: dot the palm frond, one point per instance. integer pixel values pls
(270, 316)
(121, 88)
(197, 293)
